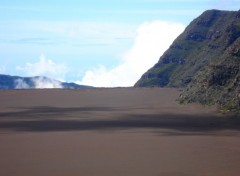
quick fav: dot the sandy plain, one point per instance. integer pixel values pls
(114, 132)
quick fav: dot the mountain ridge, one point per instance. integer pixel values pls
(204, 60)
(37, 82)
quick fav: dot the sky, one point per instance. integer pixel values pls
(102, 43)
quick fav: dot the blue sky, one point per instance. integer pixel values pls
(97, 42)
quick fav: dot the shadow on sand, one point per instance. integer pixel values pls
(46, 119)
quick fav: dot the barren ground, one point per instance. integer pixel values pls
(114, 132)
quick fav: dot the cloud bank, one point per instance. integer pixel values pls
(43, 83)
(21, 84)
(152, 39)
(39, 71)
(44, 67)
(38, 83)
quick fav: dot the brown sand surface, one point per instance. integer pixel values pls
(114, 132)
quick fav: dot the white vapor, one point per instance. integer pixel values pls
(38, 83)
(21, 84)
(40, 69)
(43, 83)
(44, 67)
(152, 39)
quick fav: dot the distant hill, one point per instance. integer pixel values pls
(17, 82)
(204, 59)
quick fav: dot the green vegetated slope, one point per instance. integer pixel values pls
(204, 59)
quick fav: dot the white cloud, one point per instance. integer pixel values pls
(43, 83)
(38, 83)
(152, 39)
(44, 67)
(21, 84)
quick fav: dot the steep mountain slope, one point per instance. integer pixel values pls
(219, 82)
(205, 59)
(16, 82)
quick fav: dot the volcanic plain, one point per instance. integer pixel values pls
(114, 132)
